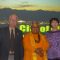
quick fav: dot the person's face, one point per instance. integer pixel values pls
(54, 24)
(13, 21)
(35, 29)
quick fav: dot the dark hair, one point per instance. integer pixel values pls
(54, 19)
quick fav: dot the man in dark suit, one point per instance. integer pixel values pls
(11, 40)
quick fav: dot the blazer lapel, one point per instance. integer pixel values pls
(8, 33)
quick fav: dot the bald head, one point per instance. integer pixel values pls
(35, 27)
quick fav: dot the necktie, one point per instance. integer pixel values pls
(12, 41)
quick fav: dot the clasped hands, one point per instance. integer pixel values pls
(40, 52)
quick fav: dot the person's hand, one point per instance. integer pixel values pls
(40, 52)
(50, 45)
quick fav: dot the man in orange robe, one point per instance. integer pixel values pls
(35, 44)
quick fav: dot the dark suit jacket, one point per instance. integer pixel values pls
(4, 41)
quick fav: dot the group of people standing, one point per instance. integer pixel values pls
(42, 47)
(33, 45)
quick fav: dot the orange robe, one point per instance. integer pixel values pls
(30, 46)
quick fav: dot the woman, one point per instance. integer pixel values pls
(54, 40)
(35, 44)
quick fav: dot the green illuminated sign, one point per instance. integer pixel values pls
(27, 28)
